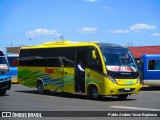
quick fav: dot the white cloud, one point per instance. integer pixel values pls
(119, 31)
(156, 34)
(88, 30)
(141, 27)
(39, 31)
(90, 0)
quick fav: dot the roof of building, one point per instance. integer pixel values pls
(137, 51)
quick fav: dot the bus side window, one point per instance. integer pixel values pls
(151, 64)
(68, 63)
(94, 63)
(157, 65)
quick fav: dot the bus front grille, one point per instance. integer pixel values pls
(124, 90)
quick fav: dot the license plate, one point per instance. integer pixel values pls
(127, 88)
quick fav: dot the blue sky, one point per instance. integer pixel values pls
(123, 22)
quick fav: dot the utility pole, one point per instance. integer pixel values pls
(11, 43)
(61, 37)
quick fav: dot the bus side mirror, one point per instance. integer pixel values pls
(94, 54)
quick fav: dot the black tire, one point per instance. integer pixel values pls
(2, 92)
(93, 93)
(122, 97)
(40, 88)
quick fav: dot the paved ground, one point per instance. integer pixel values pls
(21, 98)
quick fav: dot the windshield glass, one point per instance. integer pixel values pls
(3, 63)
(119, 62)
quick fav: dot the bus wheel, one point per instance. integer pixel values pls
(93, 93)
(2, 92)
(122, 97)
(40, 88)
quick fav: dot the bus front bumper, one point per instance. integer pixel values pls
(114, 89)
(5, 84)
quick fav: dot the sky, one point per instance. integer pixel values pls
(123, 22)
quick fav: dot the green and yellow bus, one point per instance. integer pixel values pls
(110, 70)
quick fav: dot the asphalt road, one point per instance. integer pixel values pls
(21, 98)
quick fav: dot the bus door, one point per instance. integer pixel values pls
(80, 69)
(68, 75)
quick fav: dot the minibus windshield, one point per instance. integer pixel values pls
(119, 62)
(3, 63)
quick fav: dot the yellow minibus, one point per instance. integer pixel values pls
(109, 69)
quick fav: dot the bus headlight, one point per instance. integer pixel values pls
(113, 80)
(9, 79)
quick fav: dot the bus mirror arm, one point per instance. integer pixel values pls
(94, 54)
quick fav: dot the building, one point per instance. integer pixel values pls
(13, 50)
(138, 51)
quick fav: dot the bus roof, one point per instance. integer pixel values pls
(109, 45)
(67, 43)
(150, 56)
